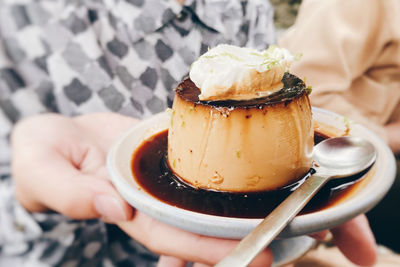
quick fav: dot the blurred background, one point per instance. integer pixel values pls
(285, 12)
(385, 217)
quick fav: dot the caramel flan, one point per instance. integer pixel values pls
(241, 122)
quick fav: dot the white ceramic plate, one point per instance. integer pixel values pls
(368, 195)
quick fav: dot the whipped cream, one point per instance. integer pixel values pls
(228, 72)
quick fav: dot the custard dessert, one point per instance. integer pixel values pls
(241, 122)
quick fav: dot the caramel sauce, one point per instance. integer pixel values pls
(293, 88)
(151, 172)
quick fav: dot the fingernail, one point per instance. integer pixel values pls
(109, 208)
(328, 238)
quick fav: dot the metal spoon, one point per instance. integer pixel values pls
(334, 158)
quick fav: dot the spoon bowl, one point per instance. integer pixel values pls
(343, 156)
(334, 158)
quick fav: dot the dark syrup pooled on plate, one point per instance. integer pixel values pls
(151, 172)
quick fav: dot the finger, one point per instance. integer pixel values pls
(167, 261)
(116, 124)
(168, 240)
(320, 235)
(200, 265)
(356, 241)
(85, 197)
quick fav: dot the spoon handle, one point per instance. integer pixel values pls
(273, 224)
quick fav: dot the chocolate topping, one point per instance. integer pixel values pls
(293, 88)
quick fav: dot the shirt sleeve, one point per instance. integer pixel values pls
(26, 239)
(21, 233)
(339, 42)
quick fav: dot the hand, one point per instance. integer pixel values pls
(393, 135)
(59, 164)
(353, 238)
(180, 247)
(356, 241)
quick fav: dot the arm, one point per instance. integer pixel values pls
(393, 134)
(59, 165)
(341, 41)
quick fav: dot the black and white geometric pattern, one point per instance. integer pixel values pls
(81, 56)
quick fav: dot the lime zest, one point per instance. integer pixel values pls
(309, 89)
(210, 57)
(171, 113)
(258, 54)
(238, 154)
(346, 120)
(225, 54)
(298, 56)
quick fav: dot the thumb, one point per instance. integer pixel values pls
(169, 261)
(86, 197)
(109, 205)
(97, 198)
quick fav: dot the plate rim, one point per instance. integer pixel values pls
(236, 228)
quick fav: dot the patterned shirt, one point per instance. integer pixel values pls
(82, 56)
